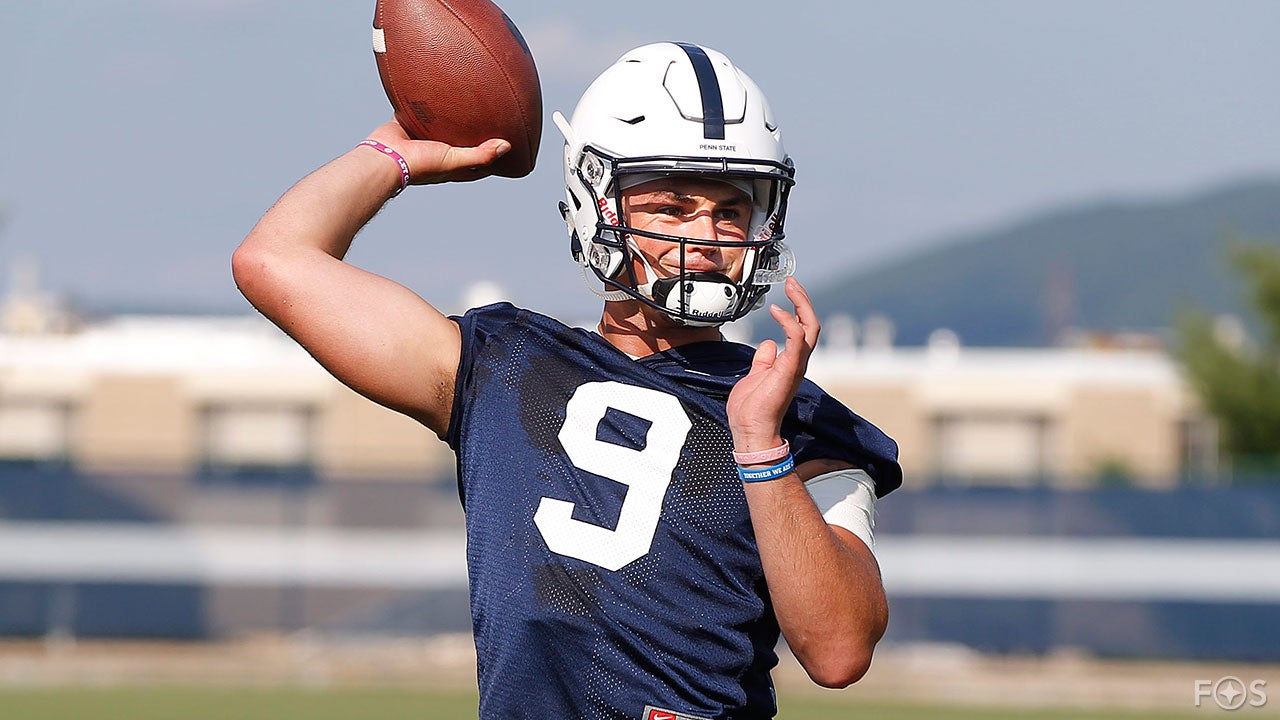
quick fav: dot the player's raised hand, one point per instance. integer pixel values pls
(759, 400)
(436, 162)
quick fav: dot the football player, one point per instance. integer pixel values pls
(647, 505)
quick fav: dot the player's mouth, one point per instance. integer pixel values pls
(695, 267)
(692, 263)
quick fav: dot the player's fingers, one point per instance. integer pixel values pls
(789, 323)
(804, 311)
(791, 326)
(766, 354)
(459, 158)
(433, 162)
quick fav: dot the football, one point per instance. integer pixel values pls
(458, 71)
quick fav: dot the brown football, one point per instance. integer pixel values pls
(459, 71)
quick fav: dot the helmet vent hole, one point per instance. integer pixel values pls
(633, 121)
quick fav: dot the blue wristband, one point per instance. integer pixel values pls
(786, 467)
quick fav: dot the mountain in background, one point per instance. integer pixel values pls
(1105, 267)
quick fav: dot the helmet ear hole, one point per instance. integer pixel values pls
(605, 259)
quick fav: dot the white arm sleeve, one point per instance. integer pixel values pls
(847, 499)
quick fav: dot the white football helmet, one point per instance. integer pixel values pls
(675, 109)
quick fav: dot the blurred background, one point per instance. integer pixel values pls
(1044, 239)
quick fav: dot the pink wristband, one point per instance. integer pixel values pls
(763, 456)
(404, 165)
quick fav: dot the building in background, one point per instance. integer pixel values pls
(205, 477)
(1069, 417)
(179, 395)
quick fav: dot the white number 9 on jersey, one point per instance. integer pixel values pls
(646, 472)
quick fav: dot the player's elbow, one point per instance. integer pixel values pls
(252, 269)
(246, 265)
(840, 659)
(840, 672)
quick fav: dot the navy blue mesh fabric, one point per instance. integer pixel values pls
(687, 625)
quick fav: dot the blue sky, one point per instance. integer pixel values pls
(139, 141)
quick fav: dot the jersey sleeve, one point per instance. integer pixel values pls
(823, 428)
(478, 327)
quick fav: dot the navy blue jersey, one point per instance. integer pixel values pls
(612, 562)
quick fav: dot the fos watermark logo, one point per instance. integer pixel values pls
(1231, 693)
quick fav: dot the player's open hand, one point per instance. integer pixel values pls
(759, 400)
(436, 162)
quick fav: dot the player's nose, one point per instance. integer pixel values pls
(701, 225)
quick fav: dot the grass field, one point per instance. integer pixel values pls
(400, 704)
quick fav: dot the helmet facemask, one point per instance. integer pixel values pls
(601, 239)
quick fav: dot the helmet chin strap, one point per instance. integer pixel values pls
(608, 295)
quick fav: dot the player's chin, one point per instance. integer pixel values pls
(660, 320)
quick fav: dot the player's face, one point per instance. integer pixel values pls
(693, 208)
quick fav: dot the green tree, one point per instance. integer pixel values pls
(1238, 378)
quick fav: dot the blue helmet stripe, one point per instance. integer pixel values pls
(709, 85)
